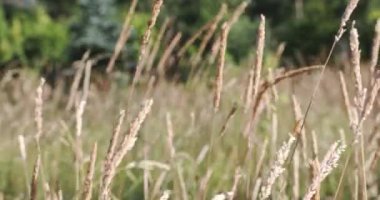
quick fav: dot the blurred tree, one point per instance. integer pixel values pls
(32, 37)
(96, 28)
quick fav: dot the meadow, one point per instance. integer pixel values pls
(224, 132)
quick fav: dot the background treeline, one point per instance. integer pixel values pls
(40, 33)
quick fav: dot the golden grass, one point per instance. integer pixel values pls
(187, 151)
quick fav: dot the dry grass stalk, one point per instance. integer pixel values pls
(79, 122)
(300, 133)
(315, 144)
(370, 100)
(80, 66)
(203, 185)
(220, 71)
(204, 28)
(265, 85)
(359, 103)
(34, 183)
(274, 90)
(258, 60)
(192, 39)
(315, 167)
(129, 140)
(256, 189)
(296, 175)
(87, 77)
(230, 115)
(330, 161)
(235, 184)
(345, 17)
(274, 131)
(238, 12)
(149, 90)
(87, 186)
(211, 30)
(114, 141)
(249, 90)
(258, 170)
(120, 151)
(259, 165)
(182, 183)
(156, 45)
(21, 142)
(158, 184)
(375, 50)
(170, 139)
(79, 118)
(145, 40)
(355, 60)
(22, 146)
(168, 51)
(277, 168)
(123, 37)
(38, 109)
(214, 49)
(346, 98)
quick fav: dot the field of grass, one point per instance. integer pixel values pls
(251, 132)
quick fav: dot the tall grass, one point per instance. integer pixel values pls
(197, 141)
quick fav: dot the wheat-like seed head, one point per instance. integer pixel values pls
(259, 58)
(120, 151)
(355, 58)
(144, 43)
(220, 70)
(277, 168)
(346, 16)
(87, 186)
(38, 109)
(170, 138)
(330, 161)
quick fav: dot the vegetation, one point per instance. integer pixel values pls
(224, 132)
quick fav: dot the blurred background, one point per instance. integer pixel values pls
(42, 34)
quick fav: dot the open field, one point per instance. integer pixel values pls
(223, 132)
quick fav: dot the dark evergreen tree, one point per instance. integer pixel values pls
(96, 29)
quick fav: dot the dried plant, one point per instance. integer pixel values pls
(38, 109)
(210, 31)
(203, 185)
(87, 186)
(235, 184)
(329, 162)
(258, 61)
(156, 45)
(170, 139)
(145, 40)
(79, 66)
(168, 51)
(123, 37)
(277, 168)
(34, 183)
(346, 16)
(220, 71)
(118, 152)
